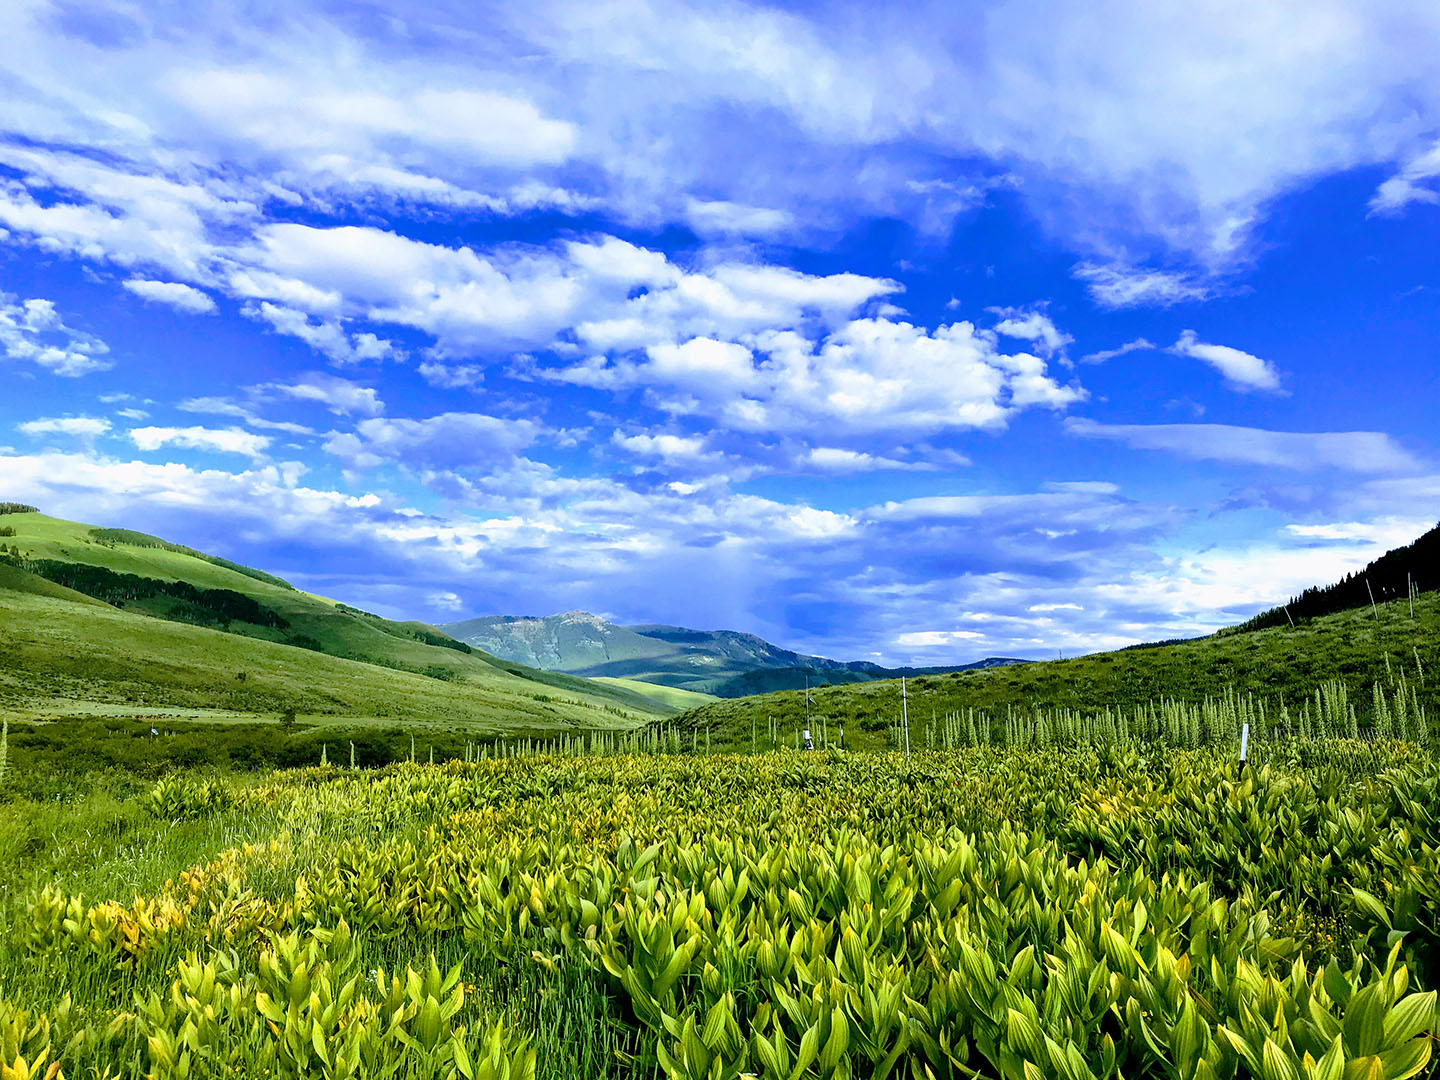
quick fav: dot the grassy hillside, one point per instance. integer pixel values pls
(13, 579)
(183, 630)
(1352, 646)
(668, 695)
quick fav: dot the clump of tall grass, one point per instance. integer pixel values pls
(4, 749)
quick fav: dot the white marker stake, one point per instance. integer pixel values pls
(1244, 746)
(905, 714)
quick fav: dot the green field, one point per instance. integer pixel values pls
(1116, 908)
(63, 653)
(668, 695)
(1277, 665)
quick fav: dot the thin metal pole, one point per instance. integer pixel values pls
(1371, 591)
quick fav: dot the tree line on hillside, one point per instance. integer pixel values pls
(222, 606)
(131, 538)
(17, 508)
(408, 631)
(1389, 577)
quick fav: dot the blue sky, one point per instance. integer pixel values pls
(966, 330)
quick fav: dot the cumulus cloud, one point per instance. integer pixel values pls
(341, 396)
(452, 376)
(213, 440)
(173, 294)
(867, 376)
(32, 330)
(213, 508)
(1241, 370)
(450, 440)
(670, 449)
(80, 427)
(326, 336)
(610, 294)
(1351, 451)
(1033, 326)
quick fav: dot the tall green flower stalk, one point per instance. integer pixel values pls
(4, 749)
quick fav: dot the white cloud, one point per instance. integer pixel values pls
(1103, 355)
(613, 294)
(1350, 451)
(446, 601)
(1414, 183)
(1105, 125)
(212, 508)
(220, 406)
(341, 396)
(32, 330)
(670, 449)
(80, 427)
(930, 638)
(450, 440)
(833, 459)
(326, 335)
(1033, 326)
(131, 214)
(1241, 369)
(1083, 487)
(216, 440)
(1116, 286)
(1387, 532)
(172, 293)
(354, 114)
(452, 376)
(721, 217)
(868, 376)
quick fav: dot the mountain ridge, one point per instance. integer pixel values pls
(724, 663)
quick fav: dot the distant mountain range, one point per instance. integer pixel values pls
(724, 663)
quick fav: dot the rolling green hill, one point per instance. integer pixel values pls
(1277, 663)
(669, 695)
(97, 620)
(722, 663)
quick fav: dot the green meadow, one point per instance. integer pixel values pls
(247, 831)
